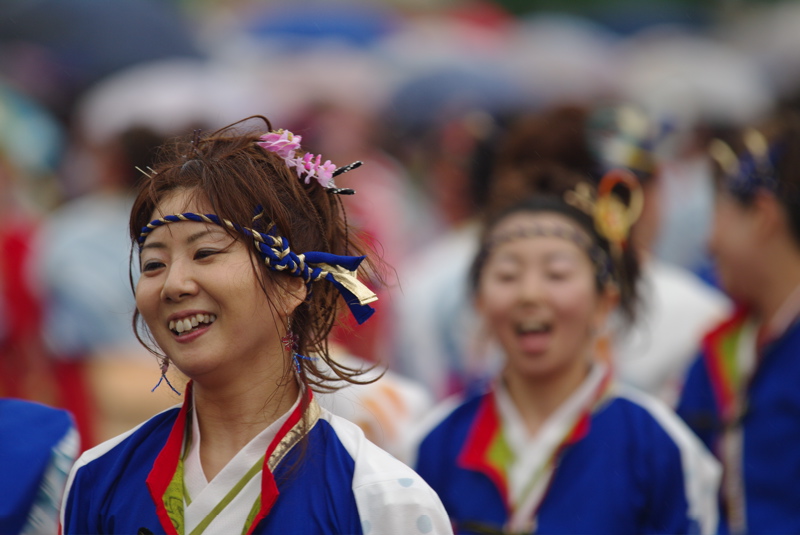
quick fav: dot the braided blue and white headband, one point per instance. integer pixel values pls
(311, 266)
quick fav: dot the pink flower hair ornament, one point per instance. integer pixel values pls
(286, 144)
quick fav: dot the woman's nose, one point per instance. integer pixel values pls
(179, 282)
(530, 288)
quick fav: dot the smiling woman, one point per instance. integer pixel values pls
(243, 257)
(554, 445)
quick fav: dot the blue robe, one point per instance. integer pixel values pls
(332, 481)
(769, 423)
(630, 467)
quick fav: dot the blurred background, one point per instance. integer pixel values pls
(417, 89)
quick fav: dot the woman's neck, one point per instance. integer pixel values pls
(538, 398)
(230, 416)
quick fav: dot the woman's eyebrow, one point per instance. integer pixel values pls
(191, 239)
(197, 235)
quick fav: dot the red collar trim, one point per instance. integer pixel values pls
(722, 383)
(269, 489)
(167, 462)
(474, 453)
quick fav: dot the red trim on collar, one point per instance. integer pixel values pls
(722, 385)
(487, 424)
(269, 489)
(474, 453)
(166, 463)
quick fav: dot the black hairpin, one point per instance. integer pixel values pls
(346, 168)
(340, 191)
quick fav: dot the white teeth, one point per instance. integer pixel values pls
(189, 323)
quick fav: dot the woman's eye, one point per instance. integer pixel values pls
(560, 273)
(152, 265)
(204, 253)
(505, 276)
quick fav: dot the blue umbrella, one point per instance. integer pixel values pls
(306, 24)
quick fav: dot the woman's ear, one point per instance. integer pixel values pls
(291, 292)
(770, 216)
(607, 301)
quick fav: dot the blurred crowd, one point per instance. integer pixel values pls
(421, 92)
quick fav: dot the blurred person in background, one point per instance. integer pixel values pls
(741, 394)
(38, 445)
(533, 451)
(651, 353)
(38, 438)
(31, 143)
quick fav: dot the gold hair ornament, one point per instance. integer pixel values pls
(613, 219)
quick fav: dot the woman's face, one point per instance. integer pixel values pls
(201, 299)
(731, 242)
(539, 298)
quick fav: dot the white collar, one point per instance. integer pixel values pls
(532, 453)
(193, 476)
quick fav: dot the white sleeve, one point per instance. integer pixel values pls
(402, 506)
(391, 498)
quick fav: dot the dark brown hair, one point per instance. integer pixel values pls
(237, 178)
(782, 133)
(554, 135)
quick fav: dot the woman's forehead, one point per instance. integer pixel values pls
(180, 201)
(548, 233)
(529, 221)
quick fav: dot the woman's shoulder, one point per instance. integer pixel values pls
(646, 421)
(366, 455)
(371, 463)
(634, 409)
(662, 449)
(387, 491)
